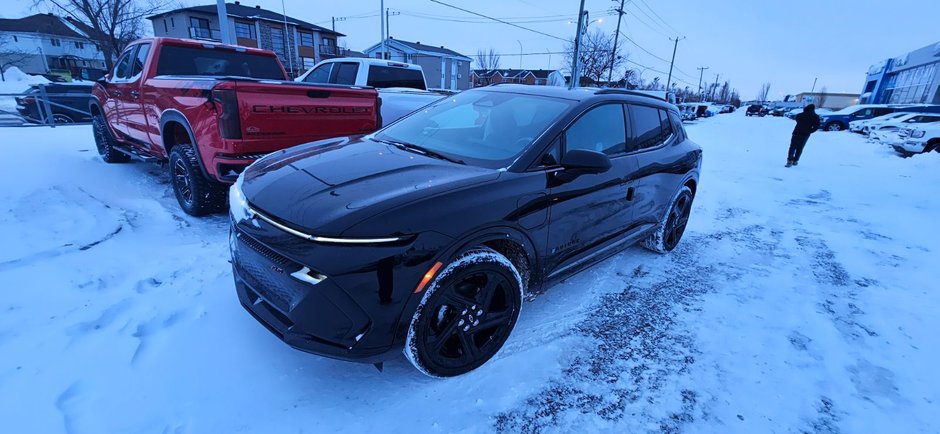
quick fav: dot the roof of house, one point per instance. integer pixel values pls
(418, 46)
(47, 24)
(239, 10)
(514, 73)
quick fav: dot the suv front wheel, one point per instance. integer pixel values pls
(835, 126)
(196, 195)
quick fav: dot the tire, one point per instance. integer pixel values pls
(465, 315)
(835, 126)
(105, 142)
(670, 229)
(60, 118)
(196, 195)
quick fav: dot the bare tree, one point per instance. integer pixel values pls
(764, 92)
(112, 23)
(821, 98)
(11, 57)
(487, 60)
(596, 55)
(724, 95)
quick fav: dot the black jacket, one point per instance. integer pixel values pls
(807, 122)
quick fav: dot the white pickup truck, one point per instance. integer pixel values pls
(401, 86)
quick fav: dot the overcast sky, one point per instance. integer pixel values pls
(786, 43)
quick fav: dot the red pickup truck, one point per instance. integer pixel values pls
(210, 110)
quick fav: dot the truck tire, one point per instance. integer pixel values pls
(105, 142)
(196, 195)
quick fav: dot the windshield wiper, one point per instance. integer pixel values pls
(422, 150)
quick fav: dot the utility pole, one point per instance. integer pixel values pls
(287, 44)
(575, 62)
(223, 22)
(384, 43)
(674, 47)
(814, 85)
(714, 88)
(701, 72)
(520, 53)
(388, 25)
(613, 55)
(335, 19)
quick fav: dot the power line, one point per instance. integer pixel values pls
(651, 54)
(499, 20)
(657, 16)
(644, 22)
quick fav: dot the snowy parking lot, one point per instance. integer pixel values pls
(801, 299)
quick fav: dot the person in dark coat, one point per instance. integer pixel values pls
(806, 123)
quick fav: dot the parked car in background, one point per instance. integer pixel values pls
(887, 132)
(755, 110)
(424, 237)
(402, 86)
(778, 111)
(839, 120)
(919, 139)
(860, 126)
(210, 110)
(687, 112)
(67, 102)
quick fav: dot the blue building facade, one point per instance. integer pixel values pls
(913, 78)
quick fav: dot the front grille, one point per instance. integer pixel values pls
(269, 254)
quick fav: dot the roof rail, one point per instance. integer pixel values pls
(608, 91)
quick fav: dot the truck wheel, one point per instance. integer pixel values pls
(104, 141)
(196, 195)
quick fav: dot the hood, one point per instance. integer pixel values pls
(809, 109)
(325, 187)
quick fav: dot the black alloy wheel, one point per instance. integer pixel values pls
(181, 181)
(105, 142)
(678, 220)
(466, 316)
(196, 194)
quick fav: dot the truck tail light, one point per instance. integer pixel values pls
(378, 112)
(230, 125)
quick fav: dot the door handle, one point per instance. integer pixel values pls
(135, 94)
(117, 93)
(630, 193)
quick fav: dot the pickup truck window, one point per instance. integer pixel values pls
(320, 75)
(386, 76)
(138, 65)
(217, 62)
(345, 73)
(122, 69)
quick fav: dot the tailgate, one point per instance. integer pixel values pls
(300, 113)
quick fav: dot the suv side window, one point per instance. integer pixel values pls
(648, 130)
(320, 74)
(601, 129)
(121, 68)
(677, 127)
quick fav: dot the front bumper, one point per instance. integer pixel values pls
(359, 312)
(910, 147)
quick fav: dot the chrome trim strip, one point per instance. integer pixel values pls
(304, 275)
(322, 239)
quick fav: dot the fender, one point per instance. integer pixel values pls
(175, 116)
(94, 103)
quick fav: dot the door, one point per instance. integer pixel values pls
(117, 88)
(592, 211)
(133, 110)
(662, 166)
(453, 74)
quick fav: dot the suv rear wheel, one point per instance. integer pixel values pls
(105, 142)
(673, 224)
(466, 314)
(196, 195)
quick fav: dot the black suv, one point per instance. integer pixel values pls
(755, 110)
(67, 102)
(425, 235)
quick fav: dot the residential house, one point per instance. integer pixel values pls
(49, 44)
(304, 44)
(484, 77)
(443, 68)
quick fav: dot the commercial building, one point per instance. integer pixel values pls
(299, 48)
(912, 78)
(828, 100)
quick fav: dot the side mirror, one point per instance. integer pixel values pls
(577, 162)
(104, 79)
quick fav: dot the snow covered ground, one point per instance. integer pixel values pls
(801, 299)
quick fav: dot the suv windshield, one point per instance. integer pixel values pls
(487, 129)
(217, 62)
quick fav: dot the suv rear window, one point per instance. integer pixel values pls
(217, 62)
(387, 76)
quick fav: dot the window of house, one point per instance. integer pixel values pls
(651, 127)
(244, 30)
(199, 23)
(172, 22)
(79, 45)
(56, 42)
(166, 29)
(602, 129)
(307, 62)
(306, 39)
(199, 28)
(278, 45)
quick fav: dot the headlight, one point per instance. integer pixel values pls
(916, 134)
(237, 204)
